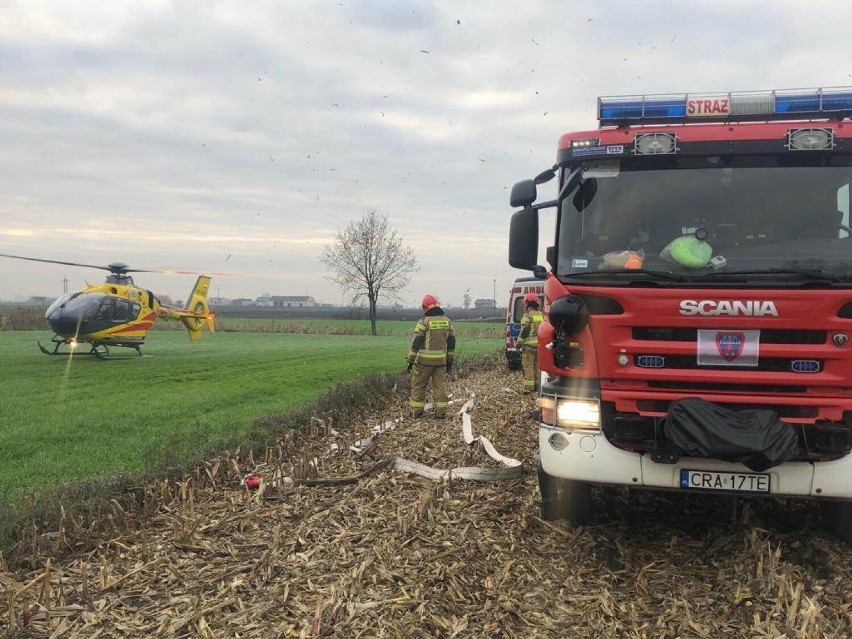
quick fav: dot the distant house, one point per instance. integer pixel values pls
(485, 303)
(264, 300)
(219, 301)
(292, 300)
(242, 301)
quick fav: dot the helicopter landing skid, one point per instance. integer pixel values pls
(101, 350)
(57, 344)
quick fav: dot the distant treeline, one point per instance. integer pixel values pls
(331, 326)
(22, 318)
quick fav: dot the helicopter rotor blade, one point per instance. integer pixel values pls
(117, 267)
(36, 259)
(173, 272)
(162, 270)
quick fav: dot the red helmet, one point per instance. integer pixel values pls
(530, 298)
(429, 301)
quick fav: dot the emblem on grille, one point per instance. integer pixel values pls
(729, 345)
(840, 339)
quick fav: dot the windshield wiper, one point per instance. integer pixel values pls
(812, 274)
(632, 271)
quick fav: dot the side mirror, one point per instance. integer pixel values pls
(523, 239)
(523, 194)
(545, 176)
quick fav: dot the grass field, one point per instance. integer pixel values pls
(352, 327)
(62, 420)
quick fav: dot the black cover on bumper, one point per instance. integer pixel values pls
(756, 438)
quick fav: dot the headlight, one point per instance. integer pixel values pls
(578, 414)
(570, 414)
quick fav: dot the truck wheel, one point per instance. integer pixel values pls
(839, 519)
(564, 499)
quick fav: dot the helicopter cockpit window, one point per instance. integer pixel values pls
(106, 311)
(80, 305)
(124, 310)
(59, 302)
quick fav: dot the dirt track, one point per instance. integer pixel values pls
(395, 555)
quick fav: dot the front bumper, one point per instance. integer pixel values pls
(590, 457)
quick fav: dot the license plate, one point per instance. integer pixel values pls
(735, 482)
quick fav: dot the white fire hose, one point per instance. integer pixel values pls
(510, 470)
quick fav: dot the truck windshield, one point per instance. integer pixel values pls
(770, 217)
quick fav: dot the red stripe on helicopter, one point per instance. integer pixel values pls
(141, 326)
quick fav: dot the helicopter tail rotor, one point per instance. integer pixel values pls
(199, 309)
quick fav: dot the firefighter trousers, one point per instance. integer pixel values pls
(420, 376)
(529, 364)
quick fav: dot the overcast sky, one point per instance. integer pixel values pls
(239, 136)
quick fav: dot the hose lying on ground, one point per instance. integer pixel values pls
(511, 467)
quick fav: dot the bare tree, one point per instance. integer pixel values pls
(368, 259)
(466, 302)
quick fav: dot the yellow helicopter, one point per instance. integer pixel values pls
(117, 313)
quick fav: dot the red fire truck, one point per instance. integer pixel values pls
(698, 300)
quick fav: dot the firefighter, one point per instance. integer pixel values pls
(528, 341)
(431, 357)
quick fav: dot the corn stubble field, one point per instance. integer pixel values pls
(391, 554)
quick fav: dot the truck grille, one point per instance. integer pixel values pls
(766, 364)
(728, 388)
(767, 336)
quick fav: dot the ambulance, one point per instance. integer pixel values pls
(515, 312)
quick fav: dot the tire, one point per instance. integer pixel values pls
(564, 499)
(838, 516)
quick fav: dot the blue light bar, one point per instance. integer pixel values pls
(724, 107)
(620, 109)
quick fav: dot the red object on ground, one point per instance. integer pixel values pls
(251, 481)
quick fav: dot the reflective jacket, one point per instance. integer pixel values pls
(434, 340)
(530, 322)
